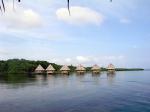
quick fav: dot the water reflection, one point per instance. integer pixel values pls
(64, 80)
(16, 80)
(41, 80)
(96, 74)
(75, 93)
(96, 78)
(80, 77)
(111, 77)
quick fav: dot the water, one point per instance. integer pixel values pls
(120, 92)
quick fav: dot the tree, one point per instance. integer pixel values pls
(2, 5)
(68, 5)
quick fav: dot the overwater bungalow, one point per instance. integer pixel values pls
(95, 69)
(50, 69)
(65, 69)
(39, 69)
(111, 68)
(80, 69)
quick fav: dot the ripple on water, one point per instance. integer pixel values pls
(122, 92)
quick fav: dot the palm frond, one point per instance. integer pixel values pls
(1, 8)
(68, 5)
(3, 5)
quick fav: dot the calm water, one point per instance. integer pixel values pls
(120, 92)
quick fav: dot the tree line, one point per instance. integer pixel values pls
(23, 66)
(29, 66)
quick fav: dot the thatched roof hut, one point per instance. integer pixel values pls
(65, 69)
(111, 67)
(80, 69)
(50, 69)
(39, 69)
(95, 69)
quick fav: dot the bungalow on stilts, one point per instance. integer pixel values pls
(95, 69)
(80, 69)
(65, 69)
(50, 69)
(111, 68)
(39, 69)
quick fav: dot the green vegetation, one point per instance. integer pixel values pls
(129, 69)
(27, 66)
(23, 66)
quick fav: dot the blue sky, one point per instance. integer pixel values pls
(96, 32)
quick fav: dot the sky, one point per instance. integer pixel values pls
(97, 32)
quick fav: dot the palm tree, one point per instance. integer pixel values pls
(2, 5)
(68, 6)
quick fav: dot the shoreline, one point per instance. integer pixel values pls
(20, 66)
(57, 73)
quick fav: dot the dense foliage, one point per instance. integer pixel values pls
(23, 66)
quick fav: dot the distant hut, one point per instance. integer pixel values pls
(50, 69)
(80, 69)
(65, 69)
(39, 69)
(95, 69)
(111, 68)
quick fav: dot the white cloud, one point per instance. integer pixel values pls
(82, 59)
(20, 18)
(80, 16)
(68, 60)
(91, 60)
(98, 59)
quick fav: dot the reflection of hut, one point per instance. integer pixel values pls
(50, 69)
(80, 69)
(111, 68)
(95, 69)
(65, 69)
(111, 77)
(39, 69)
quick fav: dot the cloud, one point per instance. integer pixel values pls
(82, 59)
(20, 18)
(97, 59)
(80, 16)
(68, 60)
(90, 60)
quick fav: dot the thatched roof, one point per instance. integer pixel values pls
(65, 68)
(80, 68)
(39, 68)
(95, 67)
(111, 67)
(50, 68)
